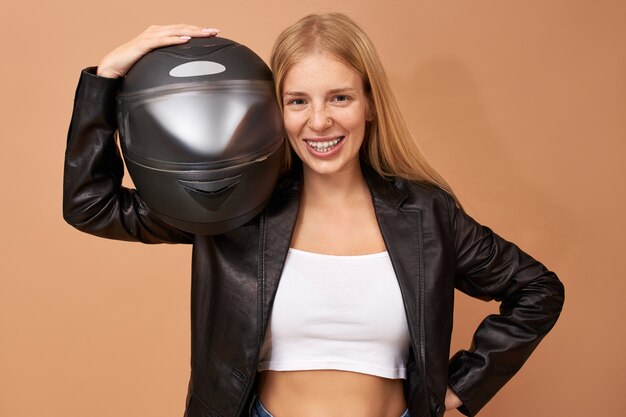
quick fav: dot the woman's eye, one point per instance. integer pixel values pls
(341, 98)
(296, 101)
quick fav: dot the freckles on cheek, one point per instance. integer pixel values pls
(292, 127)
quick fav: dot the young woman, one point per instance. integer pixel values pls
(337, 300)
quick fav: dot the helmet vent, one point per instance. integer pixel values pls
(210, 194)
(197, 68)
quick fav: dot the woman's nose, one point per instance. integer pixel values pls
(319, 119)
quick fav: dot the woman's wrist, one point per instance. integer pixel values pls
(105, 73)
(103, 70)
(452, 400)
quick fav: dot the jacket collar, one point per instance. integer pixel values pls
(383, 190)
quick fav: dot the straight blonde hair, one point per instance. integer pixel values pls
(388, 146)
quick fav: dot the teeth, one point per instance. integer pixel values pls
(324, 146)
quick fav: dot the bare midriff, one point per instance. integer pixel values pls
(330, 393)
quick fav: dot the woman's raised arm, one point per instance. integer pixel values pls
(94, 200)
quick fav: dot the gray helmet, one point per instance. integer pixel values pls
(201, 133)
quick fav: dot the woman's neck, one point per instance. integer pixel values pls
(335, 189)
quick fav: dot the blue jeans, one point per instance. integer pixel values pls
(258, 410)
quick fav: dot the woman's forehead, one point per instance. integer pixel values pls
(320, 70)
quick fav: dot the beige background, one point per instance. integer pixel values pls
(521, 105)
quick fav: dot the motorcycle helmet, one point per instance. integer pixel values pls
(201, 133)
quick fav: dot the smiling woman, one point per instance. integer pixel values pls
(337, 299)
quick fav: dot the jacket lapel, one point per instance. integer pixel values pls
(401, 227)
(278, 221)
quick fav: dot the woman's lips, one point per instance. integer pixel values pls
(324, 147)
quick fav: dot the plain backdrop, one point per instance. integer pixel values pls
(520, 105)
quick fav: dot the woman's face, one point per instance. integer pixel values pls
(325, 110)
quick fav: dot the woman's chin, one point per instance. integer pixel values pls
(330, 167)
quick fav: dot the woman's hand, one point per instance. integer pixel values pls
(117, 63)
(452, 401)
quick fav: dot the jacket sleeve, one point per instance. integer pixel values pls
(94, 200)
(531, 297)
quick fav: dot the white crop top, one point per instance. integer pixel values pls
(337, 312)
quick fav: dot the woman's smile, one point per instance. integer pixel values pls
(324, 147)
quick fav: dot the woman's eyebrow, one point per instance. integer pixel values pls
(294, 93)
(333, 91)
(341, 90)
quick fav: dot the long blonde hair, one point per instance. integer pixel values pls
(388, 147)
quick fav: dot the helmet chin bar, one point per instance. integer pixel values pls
(201, 134)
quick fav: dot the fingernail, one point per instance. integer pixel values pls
(185, 37)
(210, 30)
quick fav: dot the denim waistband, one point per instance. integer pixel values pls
(258, 410)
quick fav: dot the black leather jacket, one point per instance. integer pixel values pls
(434, 247)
